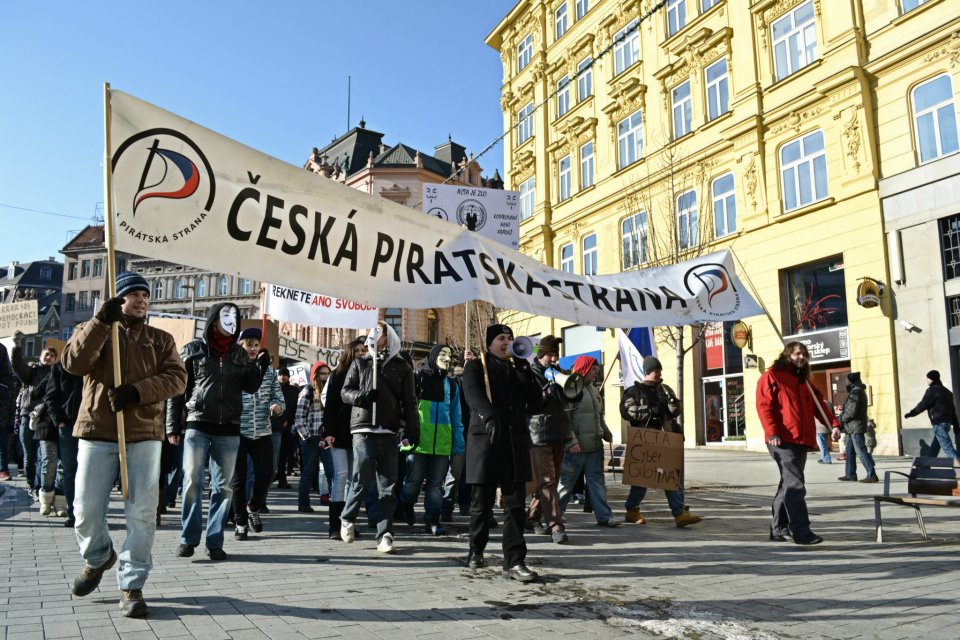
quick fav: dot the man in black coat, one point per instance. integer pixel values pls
(284, 440)
(62, 398)
(501, 395)
(938, 403)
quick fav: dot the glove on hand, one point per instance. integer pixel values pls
(123, 397)
(263, 360)
(492, 427)
(367, 398)
(17, 338)
(521, 364)
(111, 311)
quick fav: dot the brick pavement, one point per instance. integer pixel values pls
(719, 579)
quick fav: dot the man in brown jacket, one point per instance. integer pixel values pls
(151, 372)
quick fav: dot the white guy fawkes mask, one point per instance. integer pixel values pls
(228, 319)
(443, 359)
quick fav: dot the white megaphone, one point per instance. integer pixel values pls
(521, 347)
(570, 383)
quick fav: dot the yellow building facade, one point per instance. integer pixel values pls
(644, 134)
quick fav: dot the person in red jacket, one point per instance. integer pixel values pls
(787, 403)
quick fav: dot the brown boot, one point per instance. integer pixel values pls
(686, 517)
(132, 604)
(634, 516)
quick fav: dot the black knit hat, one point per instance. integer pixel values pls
(128, 282)
(496, 329)
(854, 377)
(651, 364)
(933, 375)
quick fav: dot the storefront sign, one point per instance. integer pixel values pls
(713, 341)
(740, 334)
(653, 459)
(827, 345)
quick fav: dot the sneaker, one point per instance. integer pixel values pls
(810, 538)
(541, 529)
(436, 530)
(870, 480)
(634, 516)
(255, 522)
(686, 517)
(559, 536)
(347, 531)
(89, 577)
(241, 532)
(612, 522)
(132, 604)
(4, 475)
(386, 544)
(217, 554)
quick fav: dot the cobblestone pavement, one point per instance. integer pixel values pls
(719, 579)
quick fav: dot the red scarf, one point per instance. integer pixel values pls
(219, 342)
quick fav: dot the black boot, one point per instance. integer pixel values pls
(336, 508)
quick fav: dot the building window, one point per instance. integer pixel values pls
(935, 118)
(527, 200)
(65, 333)
(794, 40)
(84, 300)
(158, 290)
(178, 289)
(950, 241)
(564, 178)
(246, 286)
(629, 139)
(95, 298)
(525, 126)
(582, 7)
(84, 268)
(433, 326)
(706, 5)
(724, 206)
(72, 271)
(803, 167)
(953, 308)
(626, 48)
(676, 15)
(566, 258)
(563, 96)
(71, 301)
(201, 287)
(682, 110)
(590, 255)
(222, 286)
(97, 267)
(394, 318)
(816, 296)
(584, 79)
(718, 89)
(633, 236)
(910, 5)
(46, 273)
(560, 20)
(524, 52)
(586, 165)
(687, 219)
(121, 266)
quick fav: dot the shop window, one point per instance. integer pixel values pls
(950, 241)
(816, 297)
(722, 384)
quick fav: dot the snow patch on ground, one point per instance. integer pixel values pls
(679, 622)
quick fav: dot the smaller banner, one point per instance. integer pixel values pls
(315, 309)
(19, 316)
(653, 459)
(493, 213)
(634, 347)
(288, 347)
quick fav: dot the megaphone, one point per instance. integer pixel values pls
(521, 347)
(571, 384)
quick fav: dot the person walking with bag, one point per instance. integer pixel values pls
(937, 401)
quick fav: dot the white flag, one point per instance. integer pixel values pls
(631, 359)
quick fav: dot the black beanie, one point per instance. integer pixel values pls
(496, 329)
(854, 377)
(650, 364)
(934, 375)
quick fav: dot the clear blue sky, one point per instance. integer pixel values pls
(272, 75)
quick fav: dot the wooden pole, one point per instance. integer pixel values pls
(610, 370)
(112, 282)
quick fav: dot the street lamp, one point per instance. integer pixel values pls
(193, 297)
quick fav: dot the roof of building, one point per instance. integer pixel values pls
(89, 238)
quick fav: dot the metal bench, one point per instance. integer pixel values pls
(928, 477)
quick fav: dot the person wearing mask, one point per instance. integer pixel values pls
(651, 404)
(381, 415)
(151, 372)
(34, 381)
(219, 371)
(310, 409)
(284, 439)
(501, 392)
(62, 400)
(854, 421)
(255, 442)
(786, 404)
(938, 402)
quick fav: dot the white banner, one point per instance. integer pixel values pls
(188, 195)
(493, 213)
(315, 309)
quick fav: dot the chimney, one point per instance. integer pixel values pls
(12, 269)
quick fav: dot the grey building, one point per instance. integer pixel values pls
(40, 280)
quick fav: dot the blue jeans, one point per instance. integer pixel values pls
(68, 457)
(342, 469)
(174, 476)
(941, 440)
(374, 457)
(434, 469)
(97, 466)
(223, 461)
(591, 465)
(857, 443)
(49, 455)
(823, 441)
(326, 460)
(309, 465)
(674, 499)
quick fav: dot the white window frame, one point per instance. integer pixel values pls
(246, 286)
(566, 261)
(584, 80)
(676, 16)
(633, 240)
(586, 166)
(158, 290)
(582, 7)
(717, 103)
(909, 5)
(524, 52)
(201, 285)
(808, 162)
(565, 177)
(798, 35)
(935, 112)
(630, 139)
(682, 110)
(560, 21)
(178, 289)
(589, 257)
(563, 96)
(223, 286)
(688, 221)
(626, 52)
(527, 198)
(724, 206)
(525, 123)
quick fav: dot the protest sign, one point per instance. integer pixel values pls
(315, 309)
(653, 459)
(288, 347)
(300, 372)
(188, 195)
(493, 213)
(19, 316)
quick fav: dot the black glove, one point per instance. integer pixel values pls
(521, 363)
(122, 397)
(263, 360)
(492, 427)
(366, 398)
(17, 338)
(111, 311)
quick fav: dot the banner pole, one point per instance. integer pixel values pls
(374, 416)
(609, 371)
(112, 283)
(466, 325)
(756, 296)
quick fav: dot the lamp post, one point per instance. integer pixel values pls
(193, 298)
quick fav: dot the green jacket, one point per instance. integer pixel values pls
(587, 421)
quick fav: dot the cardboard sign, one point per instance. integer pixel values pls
(183, 330)
(653, 459)
(19, 316)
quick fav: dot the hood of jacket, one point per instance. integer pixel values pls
(213, 316)
(393, 341)
(431, 378)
